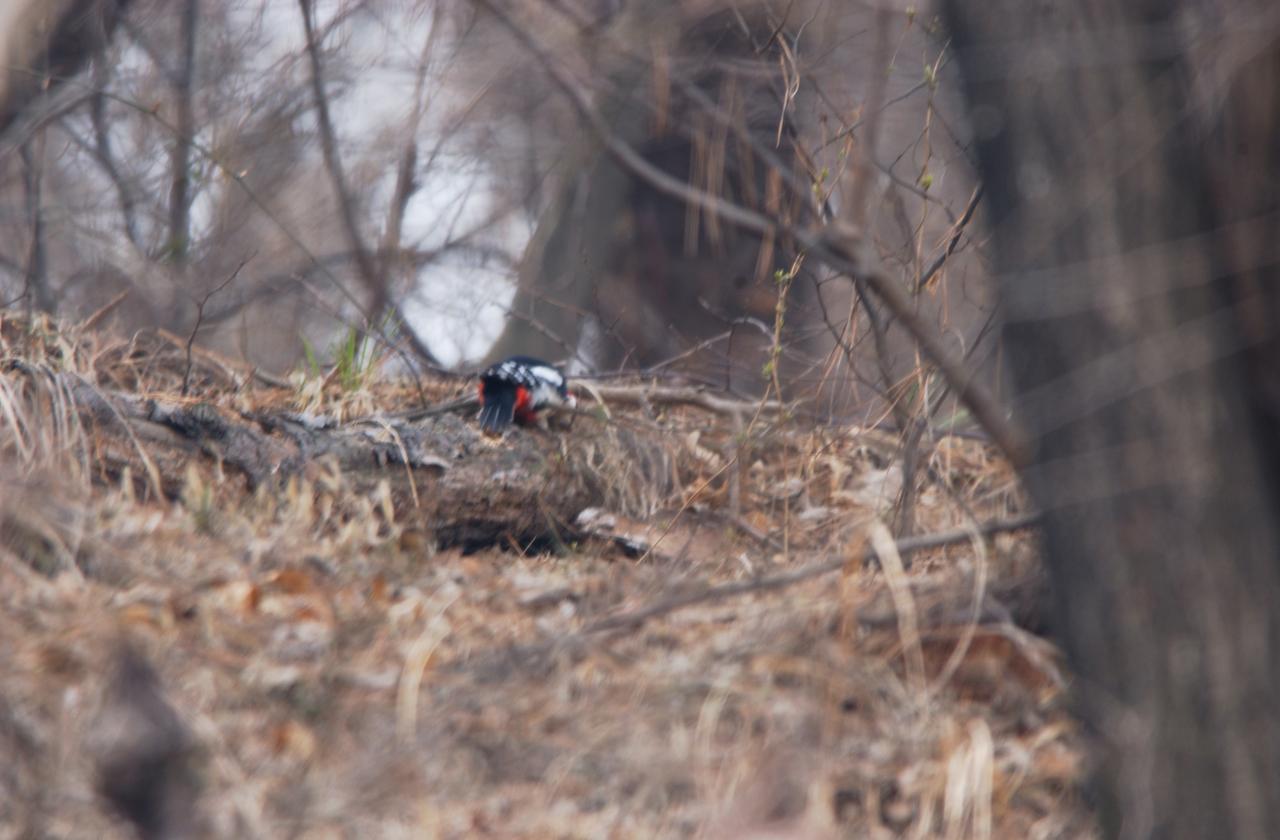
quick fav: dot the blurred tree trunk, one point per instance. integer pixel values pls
(180, 154)
(1135, 245)
(619, 272)
(37, 289)
(573, 244)
(45, 42)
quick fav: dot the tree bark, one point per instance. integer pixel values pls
(1138, 280)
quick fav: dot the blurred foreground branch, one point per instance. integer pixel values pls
(1151, 403)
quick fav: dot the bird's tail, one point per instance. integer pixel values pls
(498, 410)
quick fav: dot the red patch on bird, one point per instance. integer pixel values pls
(524, 414)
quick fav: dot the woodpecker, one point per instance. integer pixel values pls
(517, 389)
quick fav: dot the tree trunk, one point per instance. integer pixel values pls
(45, 42)
(1133, 242)
(180, 187)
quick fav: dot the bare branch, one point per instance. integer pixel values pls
(105, 156)
(957, 233)
(200, 304)
(374, 283)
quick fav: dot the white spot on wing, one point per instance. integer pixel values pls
(548, 374)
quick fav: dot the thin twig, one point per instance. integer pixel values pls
(200, 304)
(957, 231)
(227, 365)
(105, 310)
(638, 394)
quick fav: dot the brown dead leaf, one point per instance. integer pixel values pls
(292, 581)
(294, 741)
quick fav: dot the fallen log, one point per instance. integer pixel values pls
(444, 476)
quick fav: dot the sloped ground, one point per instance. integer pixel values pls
(323, 670)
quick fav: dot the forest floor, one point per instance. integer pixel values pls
(303, 658)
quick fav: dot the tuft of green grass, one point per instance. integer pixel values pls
(354, 360)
